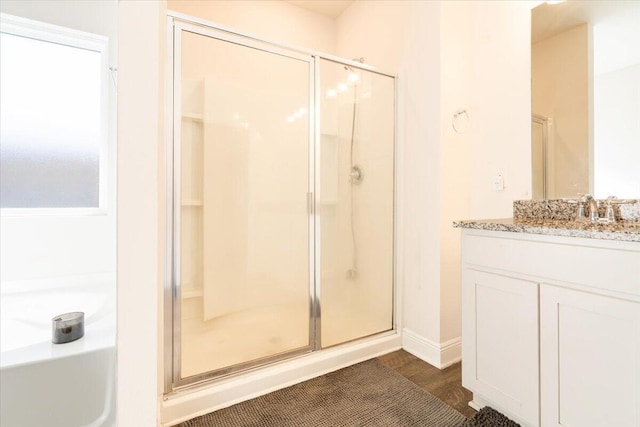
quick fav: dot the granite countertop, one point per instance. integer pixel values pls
(624, 230)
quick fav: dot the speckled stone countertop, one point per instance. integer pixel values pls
(566, 210)
(628, 231)
(556, 218)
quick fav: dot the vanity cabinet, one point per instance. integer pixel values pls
(551, 328)
(500, 341)
(590, 359)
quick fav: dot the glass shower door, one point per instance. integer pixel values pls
(355, 202)
(242, 189)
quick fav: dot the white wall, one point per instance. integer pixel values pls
(456, 95)
(487, 69)
(448, 56)
(501, 105)
(403, 38)
(141, 224)
(617, 133)
(41, 246)
(272, 20)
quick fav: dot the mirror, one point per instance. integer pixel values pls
(585, 60)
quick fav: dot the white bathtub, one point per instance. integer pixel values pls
(57, 385)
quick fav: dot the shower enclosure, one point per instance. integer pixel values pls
(281, 202)
(540, 156)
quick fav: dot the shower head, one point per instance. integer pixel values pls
(360, 60)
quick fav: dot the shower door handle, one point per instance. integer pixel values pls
(310, 205)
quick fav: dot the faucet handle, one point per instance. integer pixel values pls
(609, 215)
(580, 205)
(580, 215)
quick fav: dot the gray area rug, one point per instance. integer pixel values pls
(489, 417)
(366, 394)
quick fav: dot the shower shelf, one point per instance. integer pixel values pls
(191, 293)
(196, 117)
(193, 202)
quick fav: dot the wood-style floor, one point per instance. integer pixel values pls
(445, 384)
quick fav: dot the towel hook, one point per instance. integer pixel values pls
(460, 121)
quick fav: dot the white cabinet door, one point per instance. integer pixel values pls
(590, 359)
(500, 343)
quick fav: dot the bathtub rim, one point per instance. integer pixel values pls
(99, 334)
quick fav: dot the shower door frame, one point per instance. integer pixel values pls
(175, 161)
(547, 159)
(176, 23)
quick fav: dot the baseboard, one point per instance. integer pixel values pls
(477, 403)
(440, 355)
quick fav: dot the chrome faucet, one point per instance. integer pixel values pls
(592, 204)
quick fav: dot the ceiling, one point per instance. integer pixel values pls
(329, 8)
(551, 19)
(615, 32)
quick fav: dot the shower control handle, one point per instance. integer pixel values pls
(356, 176)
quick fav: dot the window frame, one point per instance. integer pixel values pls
(50, 33)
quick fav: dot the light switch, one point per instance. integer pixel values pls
(498, 183)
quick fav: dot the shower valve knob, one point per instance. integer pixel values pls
(356, 175)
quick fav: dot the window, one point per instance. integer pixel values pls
(53, 116)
